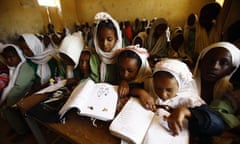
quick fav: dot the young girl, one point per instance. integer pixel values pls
(158, 38)
(134, 70)
(214, 66)
(40, 58)
(22, 76)
(107, 40)
(173, 87)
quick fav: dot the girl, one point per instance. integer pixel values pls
(158, 38)
(107, 40)
(22, 76)
(214, 66)
(40, 58)
(173, 87)
(135, 72)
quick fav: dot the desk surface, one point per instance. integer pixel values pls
(77, 129)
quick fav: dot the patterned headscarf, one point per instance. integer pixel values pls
(145, 70)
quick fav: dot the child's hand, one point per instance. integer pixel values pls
(176, 118)
(123, 89)
(147, 101)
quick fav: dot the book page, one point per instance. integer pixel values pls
(101, 102)
(159, 132)
(78, 97)
(132, 122)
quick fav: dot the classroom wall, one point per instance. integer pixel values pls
(23, 16)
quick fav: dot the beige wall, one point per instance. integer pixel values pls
(21, 16)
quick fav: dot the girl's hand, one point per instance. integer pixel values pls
(123, 89)
(147, 101)
(176, 118)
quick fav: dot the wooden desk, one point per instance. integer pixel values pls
(77, 129)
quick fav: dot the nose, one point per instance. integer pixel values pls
(215, 65)
(163, 94)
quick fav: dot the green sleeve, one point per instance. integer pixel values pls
(94, 66)
(23, 84)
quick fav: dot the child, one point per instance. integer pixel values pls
(40, 58)
(158, 38)
(173, 84)
(22, 76)
(70, 51)
(173, 87)
(214, 66)
(135, 72)
(107, 40)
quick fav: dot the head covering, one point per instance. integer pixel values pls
(13, 72)
(187, 94)
(106, 57)
(223, 84)
(72, 46)
(234, 51)
(142, 36)
(154, 46)
(145, 70)
(178, 69)
(41, 56)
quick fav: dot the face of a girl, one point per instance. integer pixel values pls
(216, 64)
(12, 58)
(128, 68)
(84, 63)
(165, 87)
(24, 47)
(106, 39)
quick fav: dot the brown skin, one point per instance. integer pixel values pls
(106, 39)
(216, 64)
(128, 69)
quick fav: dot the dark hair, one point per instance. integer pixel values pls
(107, 24)
(163, 74)
(9, 49)
(130, 54)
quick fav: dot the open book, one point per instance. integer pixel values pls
(96, 100)
(136, 125)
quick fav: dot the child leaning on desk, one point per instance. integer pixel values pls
(22, 77)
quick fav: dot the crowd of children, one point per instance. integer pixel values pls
(151, 61)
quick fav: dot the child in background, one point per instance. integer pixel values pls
(4, 76)
(21, 76)
(107, 40)
(158, 38)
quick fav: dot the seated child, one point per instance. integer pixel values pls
(70, 51)
(173, 84)
(214, 66)
(4, 76)
(21, 76)
(107, 40)
(134, 70)
(41, 59)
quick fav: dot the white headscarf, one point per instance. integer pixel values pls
(224, 82)
(145, 70)
(72, 46)
(187, 93)
(40, 56)
(13, 72)
(106, 57)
